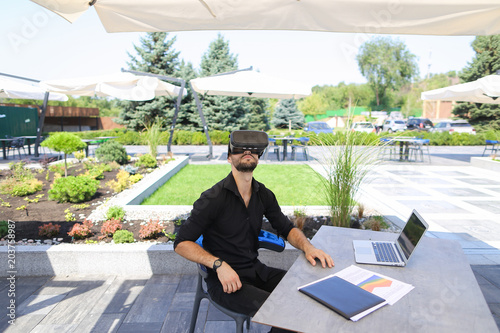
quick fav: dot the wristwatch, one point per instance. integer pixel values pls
(217, 264)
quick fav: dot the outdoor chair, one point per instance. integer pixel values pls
(302, 145)
(272, 146)
(416, 149)
(491, 145)
(268, 241)
(388, 147)
(18, 144)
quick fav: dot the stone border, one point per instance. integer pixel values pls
(485, 163)
(113, 259)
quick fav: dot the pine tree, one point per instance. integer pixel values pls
(154, 55)
(222, 112)
(188, 118)
(259, 114)
(285, 112)
(485, 62)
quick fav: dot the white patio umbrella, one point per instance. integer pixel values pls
(14, 89)
(436, 17)
(120, 85)
(249, 83)
(483, 90)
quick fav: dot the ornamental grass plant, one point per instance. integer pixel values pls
(344, 167)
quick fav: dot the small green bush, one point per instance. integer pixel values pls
(115, 212)
(111, 151)
(123, 236)
(146, 161)
(182, 137)
(4, 228)
(73, 189)
(199, 138)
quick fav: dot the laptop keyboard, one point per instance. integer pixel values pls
(384, 252)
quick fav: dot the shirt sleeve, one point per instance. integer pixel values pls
(199, 220)
(279, 221)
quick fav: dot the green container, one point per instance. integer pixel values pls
(16, 121)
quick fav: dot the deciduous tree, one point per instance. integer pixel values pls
(387, 65)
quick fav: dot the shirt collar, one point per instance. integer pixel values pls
(230, 184)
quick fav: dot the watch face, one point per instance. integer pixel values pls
(217, 264)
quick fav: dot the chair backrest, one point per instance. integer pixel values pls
(17, 143)
(304, 140)
(491, 142)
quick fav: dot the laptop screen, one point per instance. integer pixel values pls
(411, 234)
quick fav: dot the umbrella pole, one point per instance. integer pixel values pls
(41, 121)
(203, 121)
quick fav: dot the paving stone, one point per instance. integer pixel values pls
(460, 192)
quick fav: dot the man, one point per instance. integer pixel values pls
(229, 216)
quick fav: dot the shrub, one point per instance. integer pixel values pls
(131, 169)
(115, 212)
(64, 142)
(4, 228)
(111, 151)
(146, 161)
(113, 165)
(152, 229)
(182, 137)
(49, 230)
(57, 168)
(73, 189)
(81, 230)
(199, 138)
(123, 180)
(79, 155)
(95, 173)
(21, 188)
(111, 226)
(123, 236)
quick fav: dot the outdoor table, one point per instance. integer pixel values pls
(4, 146)
(285, 144)
(28, 140)
(404, 143)
(446, 297)
(97, 140)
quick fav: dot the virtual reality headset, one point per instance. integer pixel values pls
(254, 141)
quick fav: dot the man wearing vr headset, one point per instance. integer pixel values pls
(229, 216)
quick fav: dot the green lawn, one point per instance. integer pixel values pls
(293, 185)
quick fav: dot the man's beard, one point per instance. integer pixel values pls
(249, 166)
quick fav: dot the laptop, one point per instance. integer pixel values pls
(392, 253)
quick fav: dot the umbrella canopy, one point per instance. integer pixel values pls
(483, 90)
(120, 85)
(250, 84)
(14, 89)
(436, 17)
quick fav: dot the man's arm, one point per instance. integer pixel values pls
(227, 276)
(300, 241)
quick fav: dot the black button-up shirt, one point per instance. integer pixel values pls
(230, 230)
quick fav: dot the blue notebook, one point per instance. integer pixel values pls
(341, 296)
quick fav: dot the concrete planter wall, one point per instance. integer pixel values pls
(485, 163)
(113, 259)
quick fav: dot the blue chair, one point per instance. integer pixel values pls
(268, 241)
(272, 146)
(388, 147)
(416, 149)
(491, 145)
(302, 145)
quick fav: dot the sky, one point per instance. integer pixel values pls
(38, 44)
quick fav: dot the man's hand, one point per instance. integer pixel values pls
(313, 253)
(297, 239)
(229, 279)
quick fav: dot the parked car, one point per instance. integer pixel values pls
(394, 125)
(454, 126)
(318, 127)
(363, 126)
(419, 124)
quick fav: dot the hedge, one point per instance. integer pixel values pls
(182, 137)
